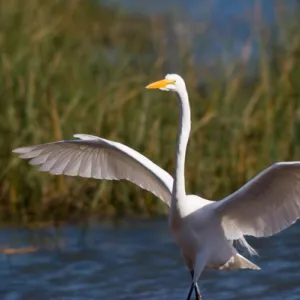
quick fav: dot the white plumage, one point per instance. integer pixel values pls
(267, 204)
(94, 157)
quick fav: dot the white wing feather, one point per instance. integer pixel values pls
(94, 157)
(267, 204)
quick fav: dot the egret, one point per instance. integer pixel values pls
(203, 229)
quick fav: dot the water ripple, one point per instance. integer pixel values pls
(140, 261)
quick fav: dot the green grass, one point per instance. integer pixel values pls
(71, 67)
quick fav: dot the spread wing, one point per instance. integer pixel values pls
(267, 204)
(94, 157)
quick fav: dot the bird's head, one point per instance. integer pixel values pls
(171, 83)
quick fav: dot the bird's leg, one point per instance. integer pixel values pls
(196, 288)
(190, 291)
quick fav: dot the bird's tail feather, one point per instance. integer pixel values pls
(242, 242)
(237, 261)
(240, 262)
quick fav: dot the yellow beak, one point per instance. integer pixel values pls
(160, 84)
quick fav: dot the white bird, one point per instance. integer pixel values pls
(203, 229)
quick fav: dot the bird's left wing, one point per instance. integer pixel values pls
(94, 157)
(265, 205)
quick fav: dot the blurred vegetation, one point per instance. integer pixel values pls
(77, 66)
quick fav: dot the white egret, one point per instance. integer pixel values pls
(203, 229)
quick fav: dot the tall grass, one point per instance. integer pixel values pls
(77, 67)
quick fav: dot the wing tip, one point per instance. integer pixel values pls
(83, 136)
(22, 150)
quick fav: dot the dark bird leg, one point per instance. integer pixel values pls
(196, 288)
(190, 291)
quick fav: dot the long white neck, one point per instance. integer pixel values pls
(178, 194)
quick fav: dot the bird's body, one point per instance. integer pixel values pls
(203, 229)
(197, 221)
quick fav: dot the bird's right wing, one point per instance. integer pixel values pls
(265, 205)
(94, 157)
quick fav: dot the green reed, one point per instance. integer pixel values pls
(71, 67)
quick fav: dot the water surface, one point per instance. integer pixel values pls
(231, 26)
(137, 260)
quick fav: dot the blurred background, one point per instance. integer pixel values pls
(80, 66)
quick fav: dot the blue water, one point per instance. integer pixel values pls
(136, 260)
(219, 12)
(230, 25)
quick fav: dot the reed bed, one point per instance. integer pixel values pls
(77, 66)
